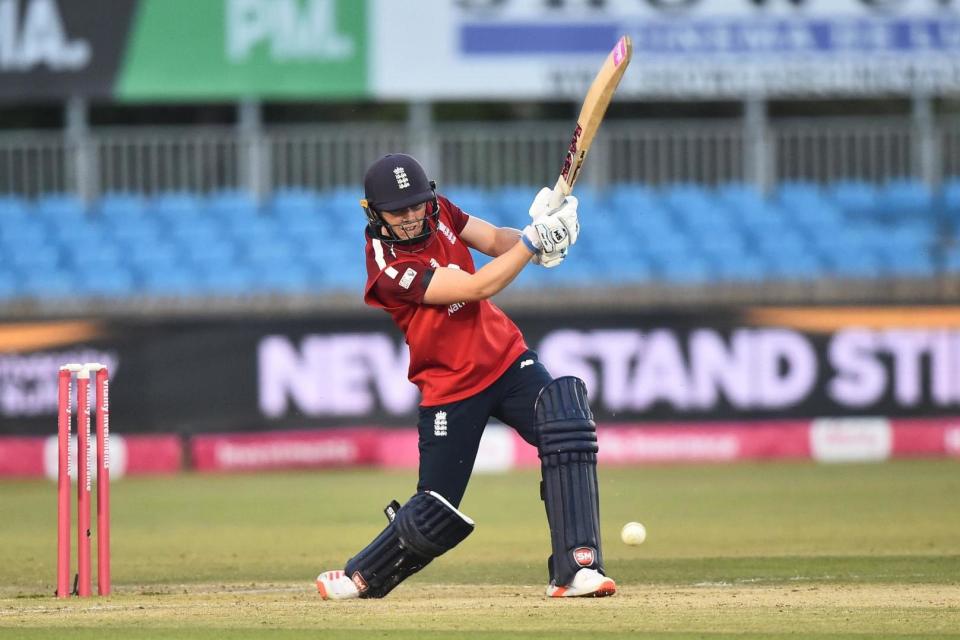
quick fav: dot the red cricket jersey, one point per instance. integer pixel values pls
(456, 350)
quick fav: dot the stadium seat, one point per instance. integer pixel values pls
(860, 264)
(58, 206)
(856, 198)
(909, 264)
(797, 266)
(685, 270)
(950, 196)
(230, 202)
(9, 285)
(742, 268)
(175, 204)
(225, 280)
(951, 260)
(48, 283)
(291, 203)
(473, 200)
(106, 283)
(171, 281)
(905, 198)
(121, 205)
(14, 207)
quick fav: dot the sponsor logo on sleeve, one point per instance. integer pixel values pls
(407, 279)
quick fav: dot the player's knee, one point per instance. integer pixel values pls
(430, 526)
(564, 421)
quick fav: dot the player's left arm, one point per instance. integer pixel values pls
(487, 238)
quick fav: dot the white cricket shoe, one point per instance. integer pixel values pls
(588, 583)
(335, 585)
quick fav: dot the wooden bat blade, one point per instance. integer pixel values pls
(591, 115)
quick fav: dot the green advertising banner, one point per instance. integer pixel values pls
(185, 49)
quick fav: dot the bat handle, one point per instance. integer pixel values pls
(560, 191)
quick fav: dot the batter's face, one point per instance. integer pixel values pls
(408, 222)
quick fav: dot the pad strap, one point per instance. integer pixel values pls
(568, 464)
(426, 527)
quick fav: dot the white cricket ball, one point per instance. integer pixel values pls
(633, 533)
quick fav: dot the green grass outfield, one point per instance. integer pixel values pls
(738, 551)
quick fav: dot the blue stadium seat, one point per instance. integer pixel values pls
(171, 281)
(175, 204)
(268, 252)
(103, 257)
(685, 270)
(220, 253)
(905, 198)
(14, 207)
(282, 279)
(511, 205)
(951, 260)
(157, 256)
(221, 280)
(741, 268)
(347, 276)
(29, 258)
(48, 283)
(133, 231)
(107, 283)
(229, 202)
(197, 230)
(473, 200)
(797, 266)
(856, 198)
(799, 195)
(117, 205)
(689, 199)
(739, 196)
(58, 206)
(854, 263)
(909, 264)
(951, 197)
(343, 203)
(784, 243)
(9, 285)
(251, 229)
(295, 203)
(21, 232)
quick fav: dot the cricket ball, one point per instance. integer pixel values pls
(633, 533)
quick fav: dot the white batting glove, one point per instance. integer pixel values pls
(567, 211)
(546, 234)
(566, 214)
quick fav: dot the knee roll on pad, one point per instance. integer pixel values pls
(568, 464)
(426, 527)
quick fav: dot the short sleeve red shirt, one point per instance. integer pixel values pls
(456, 350)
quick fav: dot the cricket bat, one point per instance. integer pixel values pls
(591, 115)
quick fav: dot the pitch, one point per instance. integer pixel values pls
(737, 551)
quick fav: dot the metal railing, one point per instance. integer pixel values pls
(202, 159)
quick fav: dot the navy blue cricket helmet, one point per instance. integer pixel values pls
(397, 181)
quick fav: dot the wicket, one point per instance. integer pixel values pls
(84, 463)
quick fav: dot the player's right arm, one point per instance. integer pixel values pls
(547, 233)
(448, 286)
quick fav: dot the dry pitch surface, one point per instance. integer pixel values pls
(798, 551)
(501, 611)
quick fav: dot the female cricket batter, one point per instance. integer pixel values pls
(471, 363)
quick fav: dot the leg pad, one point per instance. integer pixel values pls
(426, 527)
(568, 464)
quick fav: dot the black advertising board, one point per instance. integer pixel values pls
(702, 365)
(52, 50)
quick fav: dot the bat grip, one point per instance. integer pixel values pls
(560, 191)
